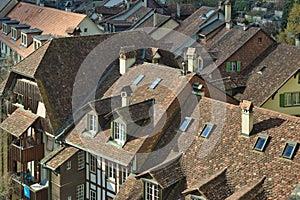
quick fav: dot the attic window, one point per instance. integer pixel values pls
(184, 125)
(155, 83)
(259, 40)
(206, 130)
(138, 79)
(13, 33)
(92, 123)
(151, 191)
(119, 133)
(289, 149)
(261, 142)
(4, 29)
(23, 39)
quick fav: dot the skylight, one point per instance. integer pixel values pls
(261, 142)
(289, 149)
(138, 79)
(155, 83)
(184, 125)
(206, 130)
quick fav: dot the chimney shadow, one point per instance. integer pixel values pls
(266, 124)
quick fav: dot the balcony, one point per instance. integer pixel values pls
(24, 155)
(34, 191)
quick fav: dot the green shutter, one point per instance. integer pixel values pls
(281, 100)
(238, 66)
(227, 66)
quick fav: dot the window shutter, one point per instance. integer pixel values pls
(238, 66)
(281, 100)
(227, 66)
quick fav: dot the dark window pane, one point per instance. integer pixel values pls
(288, 151)
(260, 144)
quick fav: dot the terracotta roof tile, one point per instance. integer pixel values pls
(18, 122)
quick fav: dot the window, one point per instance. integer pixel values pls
(14, 33)
(154, 83)
(110, 170)
(85, 30)
(4, 28)
(92, 123)
(80, 160)
(290, 99)
(69, 198)
(37, 45)
(23, 39)
(259, 40)
(261, 142)
(234, 66)
(151, 191)
(93, 163)
(206, 130)
(184, 125)
(289, 149)
(138, 79)
(119, 134)
(124, 174)
(69, 165)
(195, 197)
(80, 192)
(92, 195)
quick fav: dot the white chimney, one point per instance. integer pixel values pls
(220, 5)
(125, 99)
(127, 58)
(247, 117)
(178, 9)
(297, 40)
(228, 14)
(191, 58)
(145, 3)
(154, 19)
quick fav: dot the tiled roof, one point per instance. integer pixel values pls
(3, 3)
(281, 65)
(227, 148)
(52, 154)
(61, 157)
(28, 67)
(149, 22)
(185, 9)
(18, 122)
(49, 20)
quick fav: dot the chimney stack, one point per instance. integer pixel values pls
(68, 6)
(220, 5)
(127, 58)
(297, 40)
(247, 117)
(178, 10)
(228, 14)
(125, 99)
(191, 58)
(154, 19)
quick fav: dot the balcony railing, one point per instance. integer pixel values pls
(28, 154)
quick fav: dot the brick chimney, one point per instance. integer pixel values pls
(247, 117)
(127, 58)
(228, 14)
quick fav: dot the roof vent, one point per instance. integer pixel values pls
(262, 69)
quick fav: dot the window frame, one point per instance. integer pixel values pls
(94, 197)
(110, 171)
(14, 33)
(211, 125)
(93, 163)
(289, 143)
(92, 123)
(264, 137)
(4, 28)
(153, 188)
(80, 192)
(23, 39)
(80, 160)
(119, 132)
(289, 99)
(69, 165)
(124, 174)
(187, 120)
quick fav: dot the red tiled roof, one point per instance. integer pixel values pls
(18, 122)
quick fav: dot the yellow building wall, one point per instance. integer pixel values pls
(164, 29)
(291, 85)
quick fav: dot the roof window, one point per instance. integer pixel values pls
(261, 142)
(289, 149)
(155, 83)
(206, 130)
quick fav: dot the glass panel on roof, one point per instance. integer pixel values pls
(206, 130)
(288, 150)
(155, 83)
(260, 144)
(138, 79)
(185, 124)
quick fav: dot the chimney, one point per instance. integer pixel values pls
(154, 19)
(220, 5)
(127, 58)
(228, 14)
(178, 10)
(191, 58)
(145, 3)
(125, 99)
(247, 117)
(68, 6)
(297, 40)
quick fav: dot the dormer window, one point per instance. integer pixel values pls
(119, 133)
(37, 44)
(151, 190)
(289, 149)
(24, 39)
(14, 33)
(4, 28)
(92, 123)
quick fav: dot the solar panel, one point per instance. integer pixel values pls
(138, 79)
(155, 83)
(206, 131)
(184, 124)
